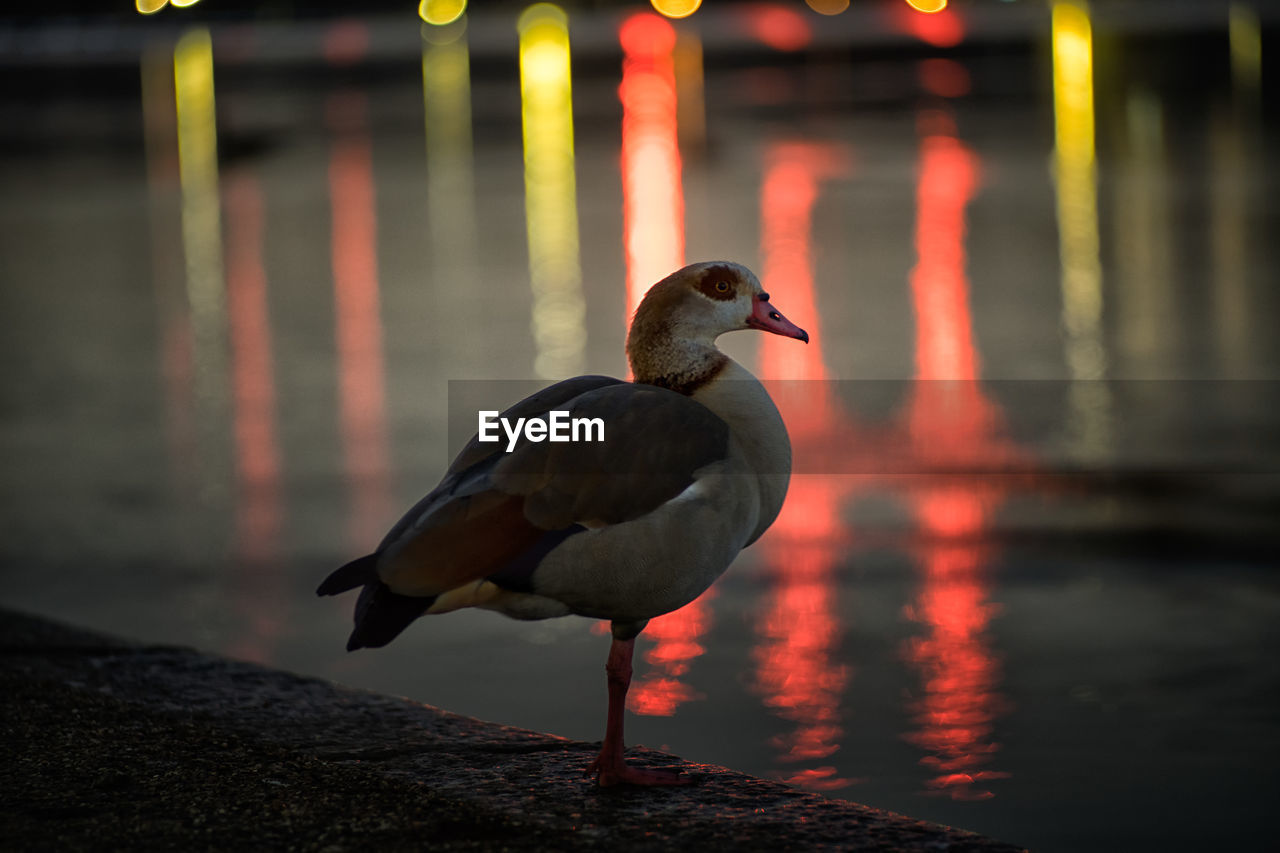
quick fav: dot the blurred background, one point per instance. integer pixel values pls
(1025, 582)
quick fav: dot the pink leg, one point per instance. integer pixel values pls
(609, 767)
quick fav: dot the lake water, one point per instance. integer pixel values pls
(1025, 581)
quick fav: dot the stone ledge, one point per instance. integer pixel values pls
(115, 745)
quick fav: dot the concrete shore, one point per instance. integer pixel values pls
(110, 744)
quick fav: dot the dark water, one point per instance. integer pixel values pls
(1025, 581)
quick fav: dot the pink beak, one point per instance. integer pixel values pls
(769, 319)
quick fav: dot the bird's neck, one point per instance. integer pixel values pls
(682, 363)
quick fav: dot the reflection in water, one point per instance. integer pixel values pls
(1234, 148)
(653, 221)
(451, 210)
(1245, 37)
(357, 319)
(1232, 162)
(789, 191)
(551, 206)
(690, 91)
(1146, 302)
(778, 26)
(652, 197)
(1078, 223)
(259, 508)
(159, 113)
(950, 422)
(797, 672)
(202, 239)
(940, 27)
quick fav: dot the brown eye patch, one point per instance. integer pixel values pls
(718, 283)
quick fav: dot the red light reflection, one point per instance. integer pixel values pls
(259, 509)
(940, 29)
(950, 422)
(779, 27)
(652, 195)
(796, 672)
(357, 319)
(653, 226)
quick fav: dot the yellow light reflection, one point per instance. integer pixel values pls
(451, 214)
(1233, 158)
(150, 7)
(1246, 46)
(1076, 182)
(182, 4)
(160, 136)
(828, 7)
(441, 12)
(927, 6)
(1146, 305)
(551, 207)
(201, 213)
(691, 107)
(676, 8)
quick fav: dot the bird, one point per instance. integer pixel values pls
(693, 467)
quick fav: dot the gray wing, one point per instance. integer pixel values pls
(493, 508)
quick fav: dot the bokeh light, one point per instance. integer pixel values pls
(828, 7)
(150, 7)
(551, 208)
(441, 12)
(780, 27)
(927, 6)
(676, 8)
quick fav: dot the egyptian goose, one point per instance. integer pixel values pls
(693, 467)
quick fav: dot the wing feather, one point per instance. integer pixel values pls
(493, 508)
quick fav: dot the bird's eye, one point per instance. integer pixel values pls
(722, 287)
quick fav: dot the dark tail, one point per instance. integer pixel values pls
(356, 573)
(380, 613)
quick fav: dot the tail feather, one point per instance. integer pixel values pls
(356, 573)
(382, 614)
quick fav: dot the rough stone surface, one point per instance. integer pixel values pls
(112, 745)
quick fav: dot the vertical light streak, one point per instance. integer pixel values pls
(653, 237)
(939, 285)
(202, 231)
(1232, 161)
(1245, 37)
(159, 113)
(1147, 302)
(1234, 153)
(551, 207)
(950, 423)
(1076, 180)
(797, 673)
(788, 194)
(357, 319)
(451, 211)
(691, 106)
(652, 194)
(259, 509)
